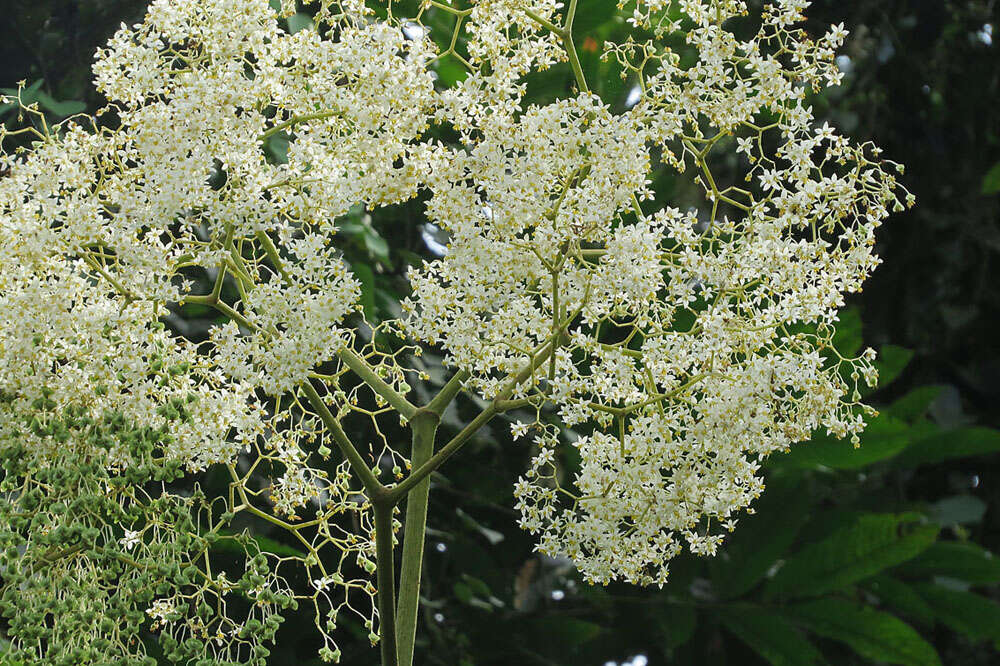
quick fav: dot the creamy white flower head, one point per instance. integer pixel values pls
(683, 346)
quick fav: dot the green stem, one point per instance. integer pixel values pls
(397, 492)
(386, 582)
(424, 427)
(544, 22)
(272, 253)
(368, 478)
(574, 59)
(368, 375)
(448, 392)
(360, 367)
(294, 120)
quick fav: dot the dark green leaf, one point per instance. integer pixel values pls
(673, 624)
(892, 360)
(900, 596)
(914, 404)
(872, 634)
(566, 631)
(462, 592)
(591, 15)
(298, 22)
(991, 181)
(265, 545)
(450, 71)
(770, 635)
(277, 147)
(760, 540)
(964, 561)
(971, 614)
(948, 444)
(64, 108)
(366, 277)
(27, 94)
(883, 438)
(871, 544)
(847, 338)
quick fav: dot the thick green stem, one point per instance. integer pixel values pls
(386, 582)
(424, 427)
(397, 492)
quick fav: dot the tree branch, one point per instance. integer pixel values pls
(399, 491)
(375, 489)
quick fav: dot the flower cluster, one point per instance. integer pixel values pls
(688, 345)
(682, 347)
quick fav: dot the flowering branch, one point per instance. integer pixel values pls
(682, 347)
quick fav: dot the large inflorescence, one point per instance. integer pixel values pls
(681, 347)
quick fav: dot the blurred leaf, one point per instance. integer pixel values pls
(673, 624)
(277, 148)
(28, 90)
(847, 338)
(958, 510)
(760, 539)
(464, 593)
(991, 181)
(964, 561)
(947, 444)
(872, 634)
(492, 536)
(892, 360)
(592, 14)
(947, 410)
(873, 543)
(298, 22)
(265, 544)
(377, 246)
(27, 94)
(567, 632)
(770, 635)
(64, 108)
(366, 277)
(34, 93)
(884, 437)
(914, 404)
(900, 596)
(971, 614)
(450, 71)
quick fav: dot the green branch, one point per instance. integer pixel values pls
(295, 120)
(574, 59)
(448, 393)
(367, 374)
(399, 491)
(375, 489)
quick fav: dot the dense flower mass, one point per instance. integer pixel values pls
(682, 347)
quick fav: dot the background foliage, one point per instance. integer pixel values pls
(877, 555)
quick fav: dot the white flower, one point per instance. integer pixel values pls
(130, 540)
